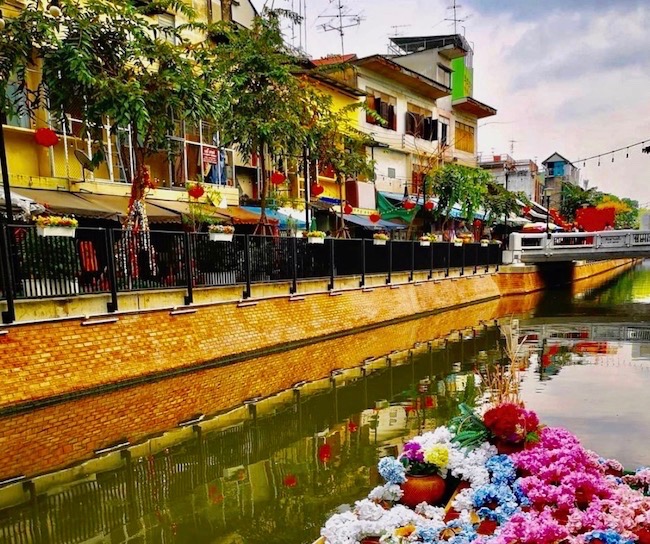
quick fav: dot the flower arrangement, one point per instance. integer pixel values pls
(428, 237)
(380, 236)
(220, 228)
(316, 234)
(554, 491)
(43, 221)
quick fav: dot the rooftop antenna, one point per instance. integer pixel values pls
(396, 32)
(455, 19)
(339, 21)
(512, 147)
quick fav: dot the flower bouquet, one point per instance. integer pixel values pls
(53, 225)
(316, 237)
(380, 238)
(219, 232)
(426, 239)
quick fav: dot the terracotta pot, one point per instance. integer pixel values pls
(417, 489)
(507, 448)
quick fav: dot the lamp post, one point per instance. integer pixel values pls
(547, 198)
(9, 315)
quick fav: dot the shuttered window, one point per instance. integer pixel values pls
(383, 105)
(464, 137)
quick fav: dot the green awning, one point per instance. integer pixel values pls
(388, 211)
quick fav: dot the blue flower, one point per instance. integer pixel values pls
(392, 470)
(608, 536)
(502, 469)
(427, 534)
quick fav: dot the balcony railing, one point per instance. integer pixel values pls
(112, 261)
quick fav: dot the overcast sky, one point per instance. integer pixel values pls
(571, 76)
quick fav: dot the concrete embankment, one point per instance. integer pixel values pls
(58, 359)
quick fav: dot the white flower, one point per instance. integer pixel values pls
(388, 492)
(368, 510)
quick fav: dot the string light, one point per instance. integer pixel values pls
(613, 151)
(599, 161)
(612, 157)
(627, 153)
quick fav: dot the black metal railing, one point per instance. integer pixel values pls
(109, 261)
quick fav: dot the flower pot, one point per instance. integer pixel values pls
(417, 489)
(458, 244)
(220, 237)
(424, 244)
(379, 242)
(56, 231)
(484, 243)
(315, 240)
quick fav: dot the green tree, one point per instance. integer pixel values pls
(266, 107)
(126, 69)
(575, 197)
(499, 202)
(457, 184)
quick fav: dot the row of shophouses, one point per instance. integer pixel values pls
(423, 89)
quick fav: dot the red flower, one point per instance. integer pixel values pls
(510, 422)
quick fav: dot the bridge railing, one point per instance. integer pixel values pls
(535, 247)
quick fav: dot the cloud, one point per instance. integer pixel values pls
(536, 9)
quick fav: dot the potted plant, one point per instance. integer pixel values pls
(53, 225)
(425, 466)
(315, 237)
(458, 242)
(218, 232)
(426, 239)
(484, 242)
(380, 238)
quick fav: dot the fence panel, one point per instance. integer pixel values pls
(376, 258)
(312, 259)
(347, 256)
(217, 263)
(401, 255)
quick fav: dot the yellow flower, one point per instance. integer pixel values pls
(437, 455)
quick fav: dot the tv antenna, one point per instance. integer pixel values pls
(339, 21)
(512, 147)
(455, 18)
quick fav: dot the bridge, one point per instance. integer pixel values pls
(576, 246)
(539, 333)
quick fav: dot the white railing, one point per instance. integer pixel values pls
(568, 246)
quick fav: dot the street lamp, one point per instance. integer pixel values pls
(547, 198)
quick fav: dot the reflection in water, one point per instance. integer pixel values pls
(273, 477)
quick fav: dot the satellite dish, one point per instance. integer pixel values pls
(85, 161)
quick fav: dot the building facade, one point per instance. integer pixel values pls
(516, 175)
(558, 170)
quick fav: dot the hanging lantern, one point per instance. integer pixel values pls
(429, 205)
(317, 189)
(195, 191)
(352, 427)
(347, 209)
(278, 178)
(374, 217)
(324, 453)
(290, 480)
(46, 137)
(408, 204)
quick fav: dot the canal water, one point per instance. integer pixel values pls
(272, 470)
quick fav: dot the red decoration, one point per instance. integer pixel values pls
(408, 204)
(278, 178)
(429, 205)
(525, 210)
(352, 427)
(347, 209)
(317, 189)
(196, 191)
(46, 137)
(324, 453)
(290, 480)
(374, 217)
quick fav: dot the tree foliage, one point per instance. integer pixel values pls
(574, 197)
(626, 210)
(499, 202)
(457, 184)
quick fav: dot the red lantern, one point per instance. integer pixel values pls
(46, 137)
(317, 189)
(324, 453)
(429, 205)
(374, 217)
(290, 480)
(347, 209)
(525, 210)
(352, 427)
(196, 191)
(278, 178)
(408, 204)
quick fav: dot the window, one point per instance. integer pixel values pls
(391, 173)
(167, 23)
(21, 119)
(385, 106)
(444, 130)
(464, 137)
(420, 124)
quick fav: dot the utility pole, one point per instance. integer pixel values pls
(339, 21)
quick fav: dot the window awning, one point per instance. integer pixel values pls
(364, 221)
(246, 215)
(67, 203)
(119, 206)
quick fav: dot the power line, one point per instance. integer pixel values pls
(626, 148)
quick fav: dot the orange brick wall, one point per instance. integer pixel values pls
(71, 431)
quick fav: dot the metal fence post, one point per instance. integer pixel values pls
(476, 259)
(462, 264)
(448, 259)
(111, 306)
(363, 263)
(430, 260)
(487, 258)
(389, 277)
(247, 266)
(294, 265)
(331, 283)
(187, 257)
(8, 316)
(412, 260)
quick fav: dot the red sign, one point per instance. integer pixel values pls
(210, 155)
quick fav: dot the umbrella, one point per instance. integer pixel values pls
(539, 226)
